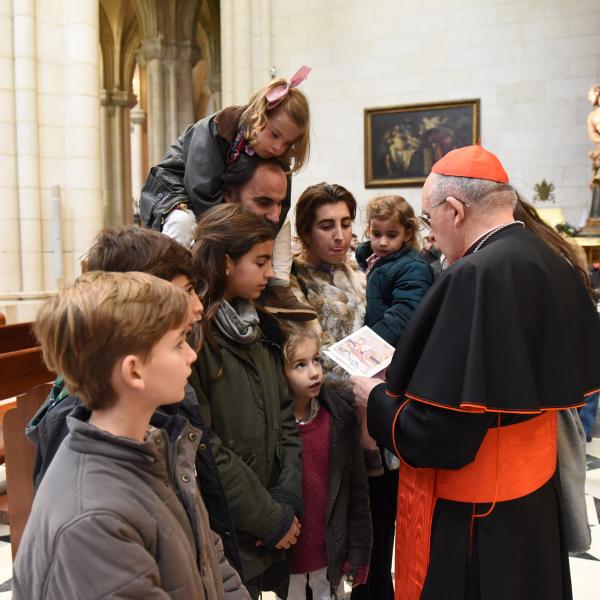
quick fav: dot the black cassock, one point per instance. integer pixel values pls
(505, 332)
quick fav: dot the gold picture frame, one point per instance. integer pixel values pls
(403, 142)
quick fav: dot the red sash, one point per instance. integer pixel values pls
(512, 462)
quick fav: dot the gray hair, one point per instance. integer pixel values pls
(478, 193)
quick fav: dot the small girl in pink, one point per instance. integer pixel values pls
(336, 534)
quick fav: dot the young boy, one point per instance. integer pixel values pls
(125, 249)
(119, 249)
(119, 513)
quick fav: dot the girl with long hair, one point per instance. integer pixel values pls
(243, 396)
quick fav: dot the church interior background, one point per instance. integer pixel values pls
(92, 93)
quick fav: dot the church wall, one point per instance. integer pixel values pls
(49, 120)
(10, 257)
(531, 63)
(51, 123)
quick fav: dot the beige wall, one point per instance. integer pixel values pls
(49, 118)
(530, 61)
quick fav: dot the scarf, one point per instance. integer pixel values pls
(371, 261)
(238, 321)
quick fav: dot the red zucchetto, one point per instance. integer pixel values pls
(471, 161)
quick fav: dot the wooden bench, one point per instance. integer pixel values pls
(20, 459)
(22, 370)
(5, 406)
(17, 337)
(22, 374)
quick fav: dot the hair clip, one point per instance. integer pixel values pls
(277, 95)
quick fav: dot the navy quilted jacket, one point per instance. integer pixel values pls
(395, 286)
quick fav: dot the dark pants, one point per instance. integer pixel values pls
(383, 493)
(275, 579)
(587, 414)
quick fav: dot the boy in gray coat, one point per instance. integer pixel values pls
(118, 513)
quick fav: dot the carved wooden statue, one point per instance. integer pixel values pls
(592, 226)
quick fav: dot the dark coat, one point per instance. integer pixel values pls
(48, 428)
(130, 513)
(505, 331)
(395, 286)
(191, 171)
(248, 413)
(349, 534)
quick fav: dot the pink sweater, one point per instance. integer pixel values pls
(310, 552)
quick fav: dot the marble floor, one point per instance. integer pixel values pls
(585, 568)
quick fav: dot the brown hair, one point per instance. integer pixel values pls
(315, 196)
(102, 317)
(525, 212)
(394, 207)
(295, 105)
(240, 172)
(132, 248)
(296, 337)
(224, 230)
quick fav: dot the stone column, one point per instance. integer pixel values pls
(236, 51)
(214, 102)
(105, 154)
(242, 54)
(185, 114)
(82, 217)
(227, 62)
(10, 254)
(116, 175)
(261, 43)
(245, 48)
(151, 56)
(28, 166)
(138, 176)
(171, 94)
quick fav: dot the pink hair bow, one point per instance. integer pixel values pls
(276, 95)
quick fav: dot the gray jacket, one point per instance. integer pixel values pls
(115, 518)
(572, 470)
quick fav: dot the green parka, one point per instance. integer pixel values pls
(248, 412)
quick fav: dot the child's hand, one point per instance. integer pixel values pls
(356, 574)
(291, 537)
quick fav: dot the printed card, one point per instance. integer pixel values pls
(362, 353)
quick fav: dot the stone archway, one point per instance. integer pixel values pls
(155, 43)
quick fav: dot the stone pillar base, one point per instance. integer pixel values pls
(592, 225)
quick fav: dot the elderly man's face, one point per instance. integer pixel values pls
(264, 193)
(444, 233)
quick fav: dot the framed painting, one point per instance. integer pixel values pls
(403, 142)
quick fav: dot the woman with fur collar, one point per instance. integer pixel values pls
(322, 275)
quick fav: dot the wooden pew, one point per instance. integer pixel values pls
(21, 369)
(20, 459)
(17, 337)
(5, 406)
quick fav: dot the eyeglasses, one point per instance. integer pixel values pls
(425, 216)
